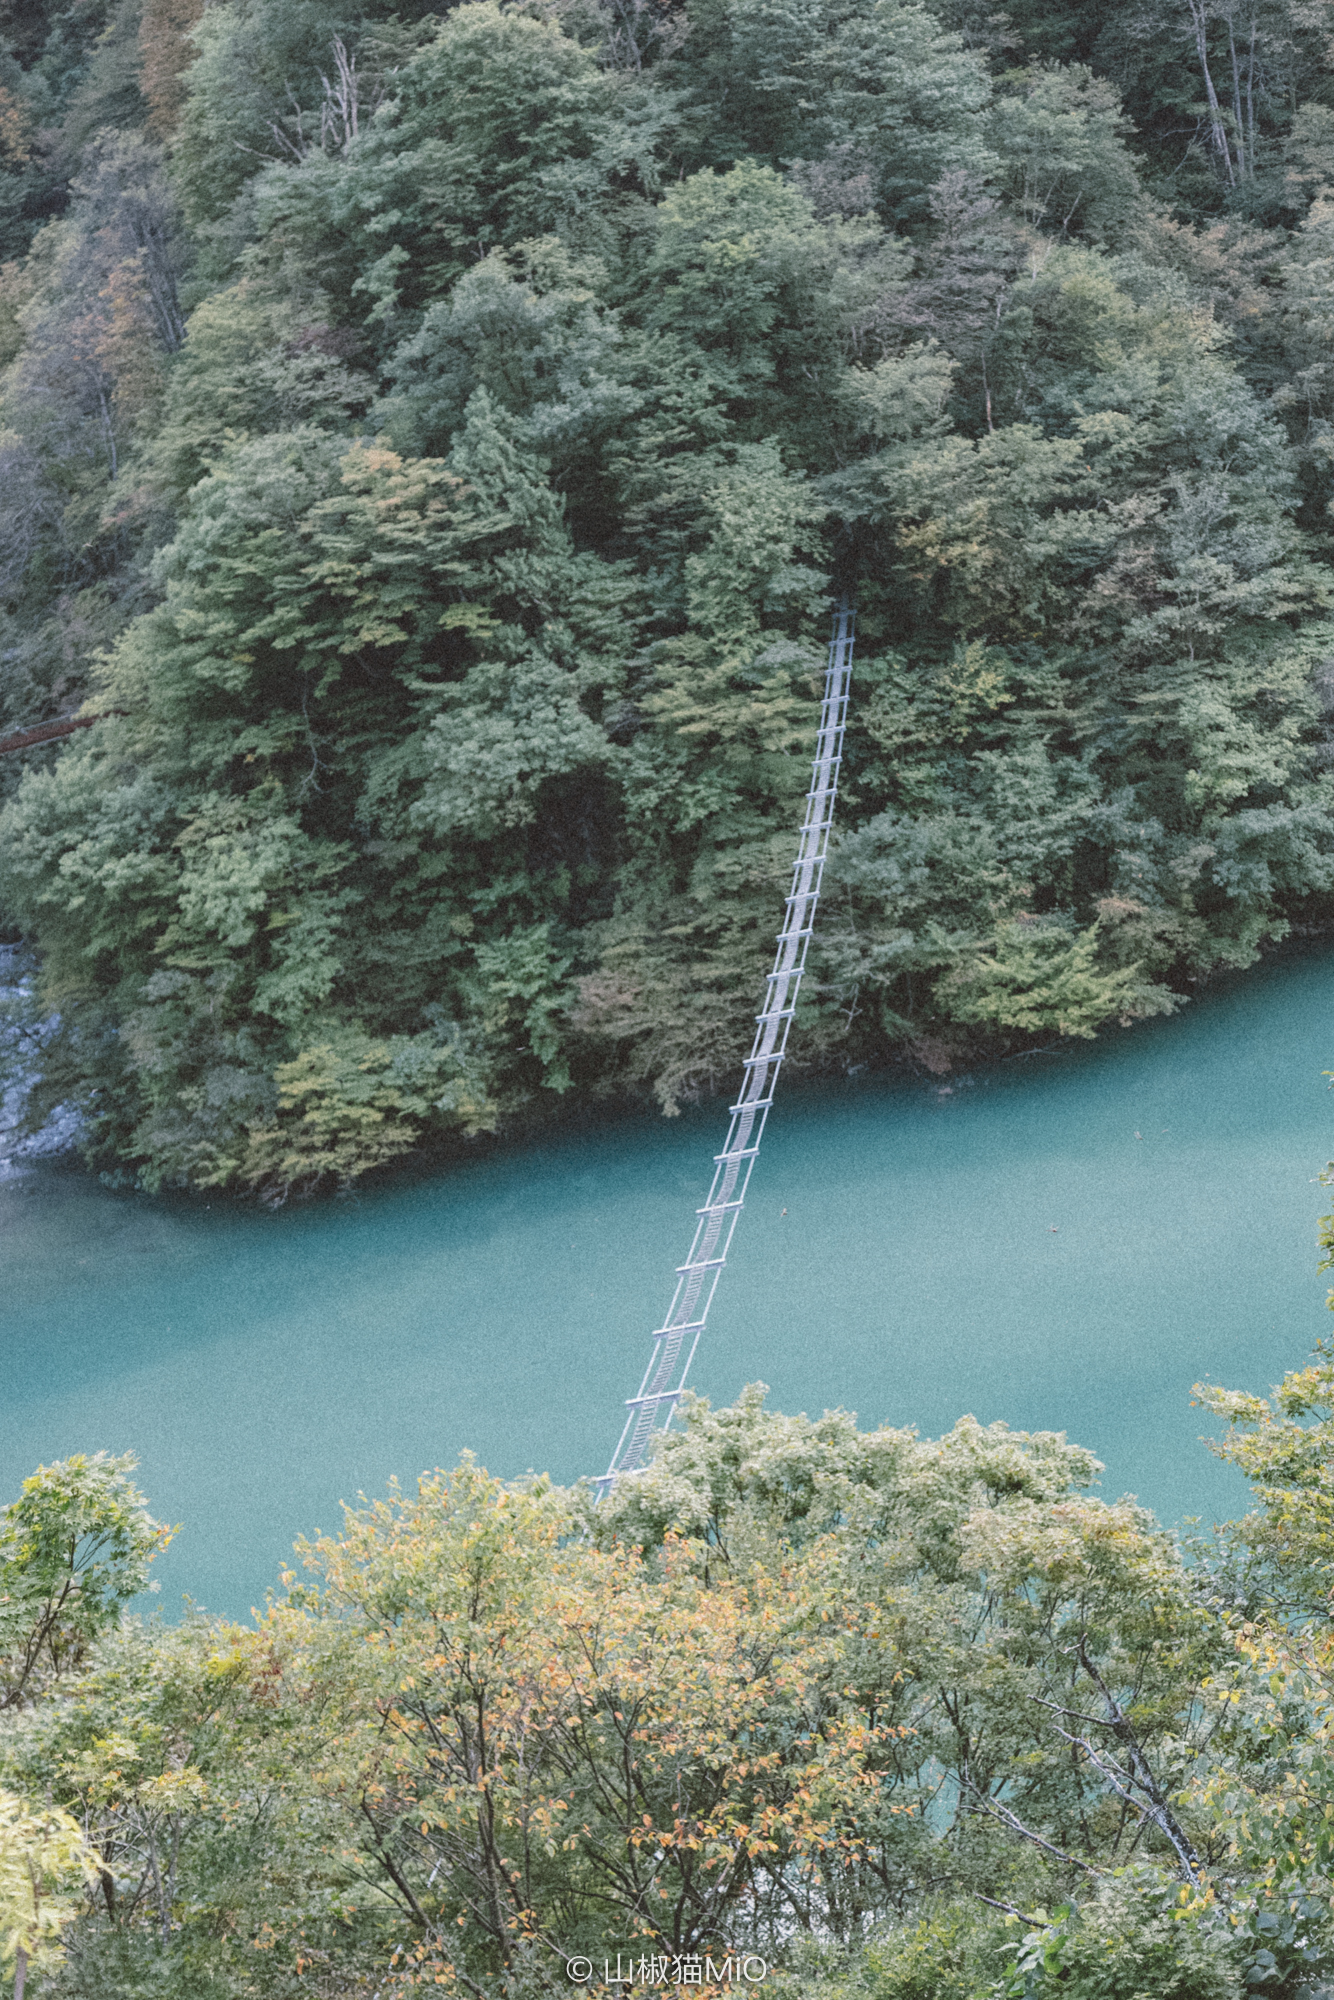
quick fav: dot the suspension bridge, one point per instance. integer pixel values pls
(674, 1342)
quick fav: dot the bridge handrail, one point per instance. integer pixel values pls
(675, 1341)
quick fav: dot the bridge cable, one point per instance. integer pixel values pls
(675, 1341)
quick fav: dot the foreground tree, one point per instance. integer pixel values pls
(44, 1864)
(74, 1550)
(797, 1682)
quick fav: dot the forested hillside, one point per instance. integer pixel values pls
(430, 442)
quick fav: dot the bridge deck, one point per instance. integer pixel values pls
(674, 1342)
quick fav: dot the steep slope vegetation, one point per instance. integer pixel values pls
(432, 440)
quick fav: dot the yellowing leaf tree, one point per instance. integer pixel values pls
(44, 1863)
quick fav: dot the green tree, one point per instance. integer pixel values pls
(887, 81)
(44, 1862)
(74, 1549)
(1060, 135)
(1282, 1444)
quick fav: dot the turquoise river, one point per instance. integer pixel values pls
(1065, 1241)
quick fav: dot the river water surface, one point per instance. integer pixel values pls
(1065, 1242)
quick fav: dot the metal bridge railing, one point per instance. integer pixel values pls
(675, 1341)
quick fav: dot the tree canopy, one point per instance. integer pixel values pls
(430, 441)
(887, 1717)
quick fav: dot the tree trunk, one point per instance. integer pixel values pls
(1237, 126)
(47, 732)
(20, 1973)
(1217, 129)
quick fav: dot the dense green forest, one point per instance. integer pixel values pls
(803, 1710)
(430, 443)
